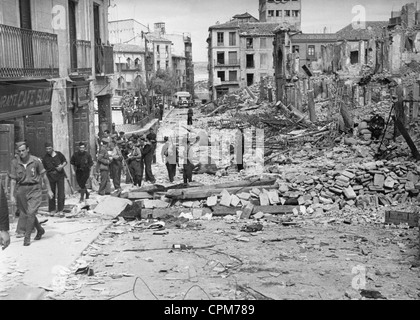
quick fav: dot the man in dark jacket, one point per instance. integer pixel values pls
(4, 220)
(54, 163)
(83, 164)
(147, 155)
(190, 117)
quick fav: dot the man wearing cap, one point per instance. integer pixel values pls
(54, 163)
(27, 173)
(104, 161)
(188, 165)
(116, 164)
(83, 166)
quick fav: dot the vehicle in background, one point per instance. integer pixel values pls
(116, 103)
(182, 99)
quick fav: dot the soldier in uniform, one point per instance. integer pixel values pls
(27, 173)
(104, 160)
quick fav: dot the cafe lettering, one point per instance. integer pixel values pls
(16, 97)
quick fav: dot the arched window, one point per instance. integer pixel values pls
(137, 63)
(121, 83)
(128, 63)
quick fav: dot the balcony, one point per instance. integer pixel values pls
(27, 54)
(104, 58)
(229, 63)
(83, 48)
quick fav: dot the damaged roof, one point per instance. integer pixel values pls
(373, 29)
(245, 15)
(257, 29)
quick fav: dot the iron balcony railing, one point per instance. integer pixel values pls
(230, 62)
(27, 53)
(104, 59)
(83, 58)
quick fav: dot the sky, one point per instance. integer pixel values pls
(196, 16)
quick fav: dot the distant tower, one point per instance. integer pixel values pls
(160, 27)
(281, 11)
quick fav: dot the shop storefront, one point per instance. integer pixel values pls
(25, 114)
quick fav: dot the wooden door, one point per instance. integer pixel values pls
(38, 130)
(81, 127)
(7, 141)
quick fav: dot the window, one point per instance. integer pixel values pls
(232, 38)
(233, 57)
(263, 60)
(220, 39)
(311, 51)
(249, 43)
(220, 58)
(167, 52)
(249, 79)
(233, 75)
(158, 64)
(128, 63)
(137, 64)
(167, 65)
(287, 13)
(295, 49)
(278, 13)
(263, 43)
(250, 61)
(271, 13)
(221, 75)
(354, 57)
(158, 49)
(295, 13)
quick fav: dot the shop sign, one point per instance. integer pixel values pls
(15, 97)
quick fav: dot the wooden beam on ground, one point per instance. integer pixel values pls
(400, 126)
(224, 211)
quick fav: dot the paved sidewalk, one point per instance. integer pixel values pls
(27, 273)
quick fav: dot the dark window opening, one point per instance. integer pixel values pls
(354, 57)
(233, 75)
(221, 75)
(220, 58)
(249, 79)
(250, 61)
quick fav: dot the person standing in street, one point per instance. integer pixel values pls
(147, 155)
(188, 165)
(4, 220)
(135, 163)
(83, 167)
(169, 158)
(190, 117)
(54, 163)
(104, 161)
(27, 173)
(153, 141)
(116, 165)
